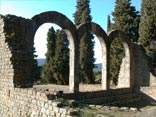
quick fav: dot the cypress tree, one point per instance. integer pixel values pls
(127, 19)
(61, 73)
(147, 29)
(109, 24)
(47, 74)
(82, 15)
(56, 67)
(36, 68)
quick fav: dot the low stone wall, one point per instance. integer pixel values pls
(27, 102)
(17, 102)
(95, 94)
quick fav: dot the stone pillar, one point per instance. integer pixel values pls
(105, 67)
(103, 38)
(74, 64)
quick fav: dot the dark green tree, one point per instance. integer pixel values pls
(35, 68)
(127, 19)
(82, 15)
(109, 24)
(61, 58)
(48, 68)
(147, 29)
(56, 68)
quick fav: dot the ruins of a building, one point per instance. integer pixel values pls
(16, 60)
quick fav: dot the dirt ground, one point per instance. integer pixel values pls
(149, 111)
(65, 88)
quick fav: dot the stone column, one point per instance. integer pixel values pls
(74, 64)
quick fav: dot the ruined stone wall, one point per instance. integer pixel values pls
(6, 67)
(16, 51)
(123, 80)
(145, 81)
(17, 63)
(18, 102)
(141, 69)
(16, 67)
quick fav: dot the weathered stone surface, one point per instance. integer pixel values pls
(133, 109)
(92, 106)
(114, 108)
(98, 106)
(106, 108)
(124, 109)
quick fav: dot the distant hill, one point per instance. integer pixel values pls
(98, 67)
(40, 62)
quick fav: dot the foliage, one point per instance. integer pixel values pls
(82, 15)
(56, 68)
(48, 68)
(35, 69)
(61, 58)
(147, 29)
(127, 19)
(116, 55)
(97, 76)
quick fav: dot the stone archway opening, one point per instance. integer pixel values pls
(120, 60)
(40, 39)
(97, 71)
(70, 30)
(117, 53)
(102, 37)
(124, 74)
(58, 71)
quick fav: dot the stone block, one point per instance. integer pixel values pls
(124, 109)
(98, 106)
(92, 106)
(114, 108)
(43, 110)
(46, 105)
(56, 109)
(58, 115)
(63, 111)
(63, 115)
(52, 113)
(133, 109)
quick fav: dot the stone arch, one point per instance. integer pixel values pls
(124, 80)
(70, 29)
(102, 36)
